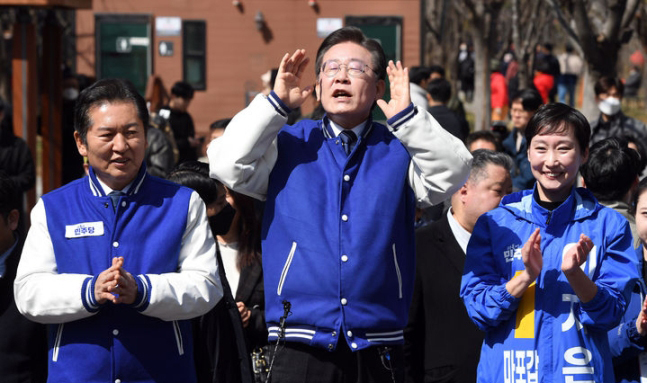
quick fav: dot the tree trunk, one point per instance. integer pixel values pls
(483, 109)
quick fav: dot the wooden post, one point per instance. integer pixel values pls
(51, 105)
(25, 90)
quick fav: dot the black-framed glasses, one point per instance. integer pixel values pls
(354, 68)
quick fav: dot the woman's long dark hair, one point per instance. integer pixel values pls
(249, 230)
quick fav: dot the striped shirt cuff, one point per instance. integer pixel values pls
(143, 293)
(87, 295)
(401, 118)
(276, 102)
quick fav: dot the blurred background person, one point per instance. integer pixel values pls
(498, 92)
(419, 77)
(628, 341)
(23, 343)
(612, 122)
(570, 66)
(439, 92)
(221, 346)
(524, 105)
(180, 121)
(16, 160)
(611, 174)
(482, 139)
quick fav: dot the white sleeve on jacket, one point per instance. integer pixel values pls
(41, 293)
(195, 288)
(243, 157)
(440, 162)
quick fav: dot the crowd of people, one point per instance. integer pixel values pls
(335, 248)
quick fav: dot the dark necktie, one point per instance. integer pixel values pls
(114, 196)
(348, 139)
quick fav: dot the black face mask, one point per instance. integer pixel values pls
(221, 222)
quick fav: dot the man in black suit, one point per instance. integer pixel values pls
(441, 342)
(23, 344)
(440, 92)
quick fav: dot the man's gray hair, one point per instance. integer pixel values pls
(484, 157)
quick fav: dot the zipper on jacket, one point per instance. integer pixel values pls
(397, 271)
(57, 342)
(286, 267)
(550, 214)
(178, 337)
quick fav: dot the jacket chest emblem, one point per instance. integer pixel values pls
(84, 229)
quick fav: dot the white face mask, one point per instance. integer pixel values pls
(70, 94)
(609, 106)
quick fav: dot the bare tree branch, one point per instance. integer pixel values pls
(630, 13)
(613, 20)
(562, 20)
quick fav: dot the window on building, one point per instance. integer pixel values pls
(194, 56)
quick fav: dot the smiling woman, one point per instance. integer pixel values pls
(548, 272)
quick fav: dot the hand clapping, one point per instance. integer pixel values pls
(115, 284)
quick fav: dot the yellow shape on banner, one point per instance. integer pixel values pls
(525, 325)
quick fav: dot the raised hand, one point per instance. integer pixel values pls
(288, 79)
(245, 313)
(400, 96)
(641, 321)
(577, 255)
(531, 255)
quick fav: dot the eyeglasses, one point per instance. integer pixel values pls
(354, 68)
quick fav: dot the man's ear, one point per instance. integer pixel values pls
(318, 90)
(80, 146)
(380, 89)
(463, 192)
(12, 219)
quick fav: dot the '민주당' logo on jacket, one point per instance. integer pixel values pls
(548, 335)
(338, 237)
(86, 235)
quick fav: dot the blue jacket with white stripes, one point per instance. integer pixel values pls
(117, 342)
(339, 237)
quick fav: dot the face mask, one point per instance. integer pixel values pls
(70, 94)
(609, 106)
(221, 222)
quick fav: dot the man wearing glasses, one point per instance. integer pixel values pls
(338, 235)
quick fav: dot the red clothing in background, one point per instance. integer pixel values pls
(498, 91)
(544, 83)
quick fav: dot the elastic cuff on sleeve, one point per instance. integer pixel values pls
(143, 293)
(507, 300)
(276, 102)
(87, 295)
(402, 117)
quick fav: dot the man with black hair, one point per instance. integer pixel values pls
(524, 106)
(418, 80)
(15, 158)
(611, 174)
(454, 104)
(553, 69)
(23, 344)
(612, 121)
(441, 342)
(482, 139)
(117, 262)
(181, 122)
(439, 93)
(341, 192)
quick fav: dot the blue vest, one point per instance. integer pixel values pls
(338, 237)
(119, 342)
